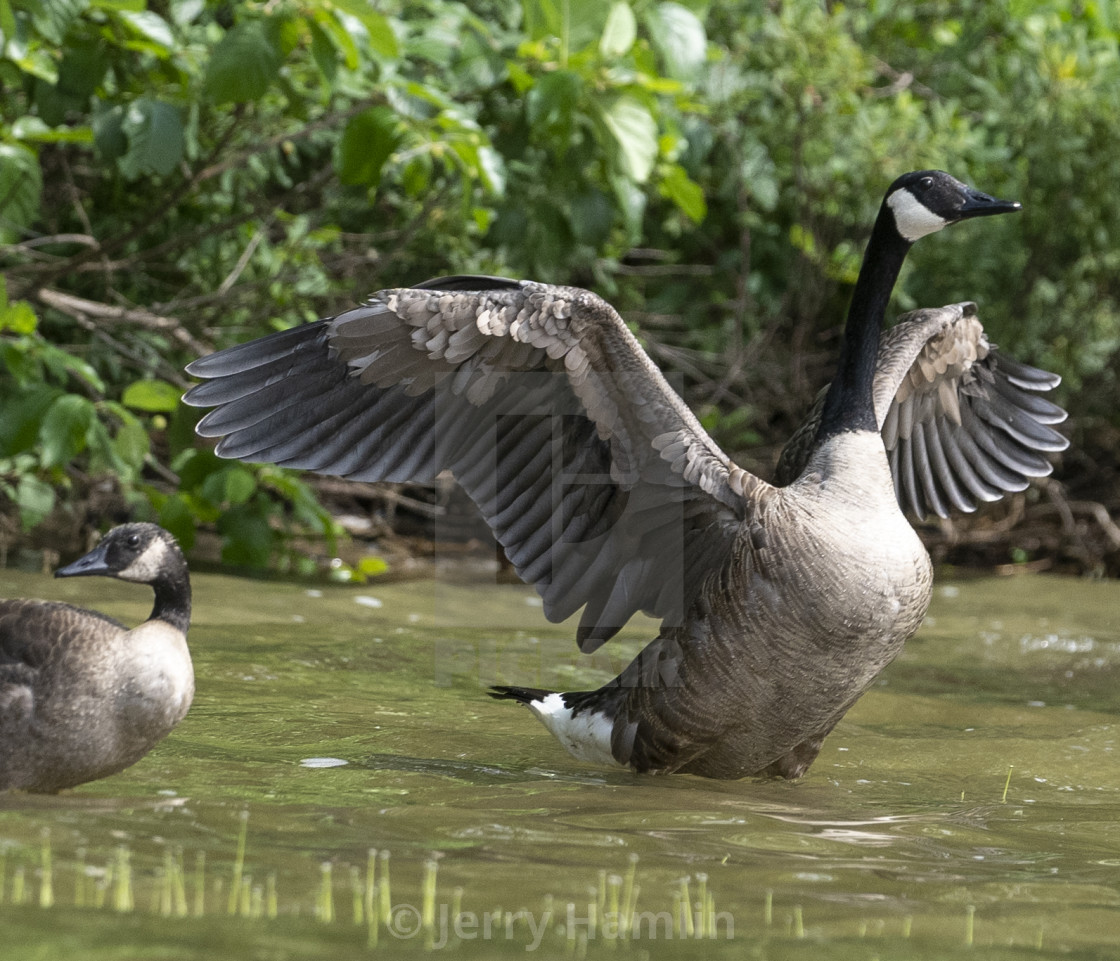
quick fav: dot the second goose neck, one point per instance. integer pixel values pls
(849, 403)
(173, 599)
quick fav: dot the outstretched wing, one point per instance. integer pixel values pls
(592, 473)
(962, 422)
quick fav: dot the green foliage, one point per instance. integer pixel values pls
(187, 174)
(55, 411)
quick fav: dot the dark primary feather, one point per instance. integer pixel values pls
(962, 422)
(594, 476)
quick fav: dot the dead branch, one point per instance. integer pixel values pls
(84, 310)
(339, 487)
(1067, 510)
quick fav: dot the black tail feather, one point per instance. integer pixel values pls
(523, 695)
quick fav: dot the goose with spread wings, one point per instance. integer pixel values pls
(778, 604)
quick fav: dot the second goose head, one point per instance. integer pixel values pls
(143, 554)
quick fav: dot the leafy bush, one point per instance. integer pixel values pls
(187, 174)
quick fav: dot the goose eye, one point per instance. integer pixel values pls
(925, 183)
(133, 540)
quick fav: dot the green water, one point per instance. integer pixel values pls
(900, 842)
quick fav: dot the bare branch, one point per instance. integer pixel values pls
(80, 307)
(84, 239)
(242, 262)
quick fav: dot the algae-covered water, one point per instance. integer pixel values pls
(343, 788)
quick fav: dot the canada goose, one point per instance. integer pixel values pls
(81, 695)
(779, 605)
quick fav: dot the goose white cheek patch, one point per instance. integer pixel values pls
(146, 567)
(913, 218)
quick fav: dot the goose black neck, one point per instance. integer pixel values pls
(849, 404)
(173, 598)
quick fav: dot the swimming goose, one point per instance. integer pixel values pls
(779, 605)
(81, 695)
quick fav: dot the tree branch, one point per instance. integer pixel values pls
(83, 309)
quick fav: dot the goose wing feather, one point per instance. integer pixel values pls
(31, 633)
(962, 422)
(595, 477)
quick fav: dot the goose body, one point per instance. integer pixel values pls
(81, 695)
(779, 698)
(779, 604)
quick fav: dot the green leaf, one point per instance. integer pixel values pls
(248, 538)
(108, 133)
(19, 318)
(131, 444)
(230, 485)
(64, 430)
(372, 566)
(631, 200)
(8, 25)
(580, 21)
(323, 51)
(243, 65)
(21, 187)
(620, 31)
(368, 140)
(381, 37)
(33, 129)
(186, 12)
(35, 500)
(151, 26)
(35, 61)
(155, 138)
(591, 216)
(52, 19)
(552, 103)
(635, 133)
(63, 364)
(685, 193)
(23, 418)
(416, 174)
(153, 396)
(177, 517)
(679, 37)
(492, 168)
(193, 467)
(85, 62)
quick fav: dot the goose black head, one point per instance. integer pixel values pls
(142, 553)
(925, 201)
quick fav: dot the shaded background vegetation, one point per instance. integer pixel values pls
(179, 175)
